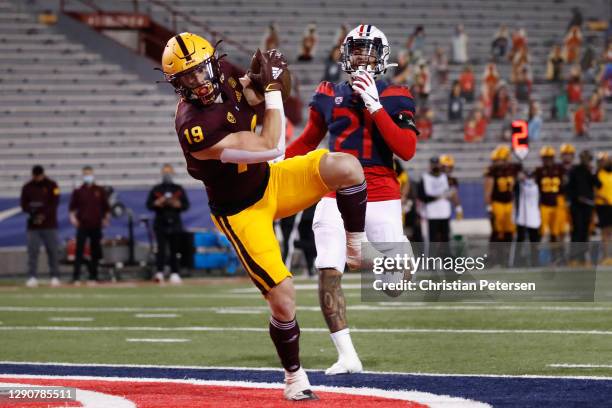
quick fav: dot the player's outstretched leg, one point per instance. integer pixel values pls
(285, 334)
(343, 173)
(333, 306)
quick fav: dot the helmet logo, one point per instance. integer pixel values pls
(276, 72)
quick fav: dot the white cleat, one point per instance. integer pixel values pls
(55, 282)
(297, 386)
(32, 283)
(353, 249)
(345, 367)
(159, 277)
(175, 279)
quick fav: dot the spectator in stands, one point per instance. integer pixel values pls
(534, 122)
(271, 39)
(466, 80)
(603, 205)
(605, 80)
(332, 67)
(168, 200)
(571, 45)
(519, 43)
(581, 121)
(39, 200)
(459, 46)
(401, 73)
(580, 192)
(341, 34)
(455, 103)
(309, 43)
(422, 82)
(588, 62)
(554, 64)
(519, 62)
(485, 102)
(89, 213)
(607, 55)
(501, 101)
(596, 111)
(475, 127)
(416, 42)
(440, 64)
(434, 191)
(499, 46)
(576, 20)
(574, 86)
(424, 122)
(522, 86)
(559, 106)
(490, 77)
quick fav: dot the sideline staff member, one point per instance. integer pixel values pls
(39, 199)
(89, 212)
(168, 200)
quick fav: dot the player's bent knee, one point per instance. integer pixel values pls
(281, 299)
(340, 170)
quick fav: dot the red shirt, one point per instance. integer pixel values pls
(466, 80)
(574, 92)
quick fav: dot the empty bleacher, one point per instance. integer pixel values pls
(68, 106)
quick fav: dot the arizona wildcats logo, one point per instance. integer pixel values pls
(338, 100)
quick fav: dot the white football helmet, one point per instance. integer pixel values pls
(365, 47)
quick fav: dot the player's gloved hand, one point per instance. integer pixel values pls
(365, 86)
(266, 69)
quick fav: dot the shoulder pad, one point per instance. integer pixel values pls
(325, 88)
(396, 90)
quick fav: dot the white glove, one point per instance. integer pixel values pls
(365, 86)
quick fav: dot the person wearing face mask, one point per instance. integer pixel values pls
(435, 193)
(89, 213)
(39, 199)
(167, 199)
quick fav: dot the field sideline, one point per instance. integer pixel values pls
(223, 323)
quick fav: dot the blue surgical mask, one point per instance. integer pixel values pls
(88, 179)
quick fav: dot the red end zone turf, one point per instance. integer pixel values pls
(181, 395)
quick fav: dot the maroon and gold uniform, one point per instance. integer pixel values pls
(245, 199)
(504, 179)
(550, 184)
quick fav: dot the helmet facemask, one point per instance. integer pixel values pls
(198, 84)
(365, 54)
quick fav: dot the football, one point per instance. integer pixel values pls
(285, 76)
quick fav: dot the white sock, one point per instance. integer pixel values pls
(291, 376)
(344, 344)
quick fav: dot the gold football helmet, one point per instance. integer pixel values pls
(191, 65)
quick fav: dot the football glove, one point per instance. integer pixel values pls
(365, 86)
(266, 70)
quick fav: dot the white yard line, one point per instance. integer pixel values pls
(305, 329)
(382, 306)
(71, 319)
(564, 365)
(192, 367)
(157, 340)
(156, 315)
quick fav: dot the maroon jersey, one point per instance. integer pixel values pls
(550, 180)
(504, 180)
(40, 200)
(90, 204)
(230, 187)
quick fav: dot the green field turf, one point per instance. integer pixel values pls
(205, 308)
